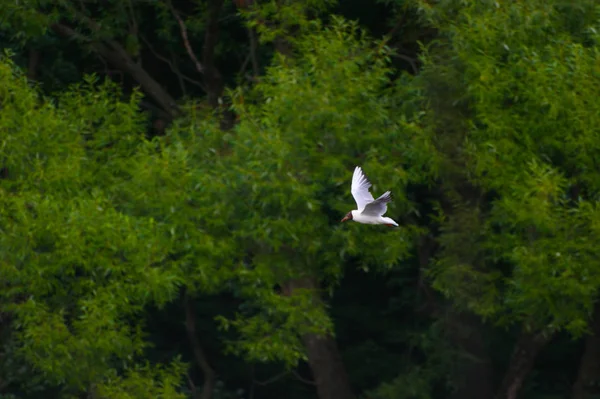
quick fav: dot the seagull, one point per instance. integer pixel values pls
(370, 211)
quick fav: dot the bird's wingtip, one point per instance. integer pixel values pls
(387, 196)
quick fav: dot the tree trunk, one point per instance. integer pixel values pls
(473, 373)
(33, 63)
(527, 348)
(199, 354)
(212, 76)
(328, 370)
(327, 367)
(589, 368)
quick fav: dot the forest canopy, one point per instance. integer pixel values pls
(173, 175)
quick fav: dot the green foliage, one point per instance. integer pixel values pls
(291, 166)
(253, 209)
(123, 223)
(76, 272)
(99, 224)
(24, 20)
(526, 126)
(419, 380)
(284, 19)
(145, 382)
(272, 333)
(298, 152)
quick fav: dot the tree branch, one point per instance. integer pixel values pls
(212, 77)
(213, 80)
(425, 250)
(589, 365)
(472, 372)
(33, 62)
(172, 66)
(324, 358)
(397, 25)
(186, 40)
(253, 47)
(526, 350)
(244, 64)
(199, 354)
(302, 379)
(114, 53)
(192, 386)
(272, 379)
(410, 60)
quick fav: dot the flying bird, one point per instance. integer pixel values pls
(370, 211)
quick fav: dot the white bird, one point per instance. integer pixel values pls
(370, 211)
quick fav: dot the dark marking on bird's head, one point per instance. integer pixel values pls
(347, 217)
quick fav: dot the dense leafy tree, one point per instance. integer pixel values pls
(201, 255)
(76, 272)
(508, 93)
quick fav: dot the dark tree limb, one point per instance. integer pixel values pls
(302, 379)
(426, 247)
(244, 65)
(527, 348)
(199, 354)
(588, 376)
(172, 65)
(472, 374)
(253, 48)
(4, 385)
(329, 372)
(33, 63)
(5, 321)
(272, 379)
(193, 388)
(118, 56)
(410, 60)
(186, 40)
(213, 79)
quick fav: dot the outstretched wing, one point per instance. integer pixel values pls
(360, 189)
(379, 206)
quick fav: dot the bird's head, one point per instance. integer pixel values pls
(347, 217)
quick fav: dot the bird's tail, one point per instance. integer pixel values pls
(390, 221)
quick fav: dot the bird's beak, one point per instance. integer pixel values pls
(345, 218)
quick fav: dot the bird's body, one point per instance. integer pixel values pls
(370, 210)
(368, 219)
